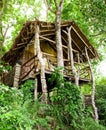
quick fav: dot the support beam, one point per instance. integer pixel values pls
(93, 88)
(48, 34)
(42, 64)
(47, 39)
(47, 30)
(74, 71)
(16, 48)
(35, 89)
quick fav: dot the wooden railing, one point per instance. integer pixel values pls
(82, 68)
(28, 67)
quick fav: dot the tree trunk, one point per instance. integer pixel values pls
(93, 88)
(42, 64)
(57, 12)
(58, 36)
(74, 71)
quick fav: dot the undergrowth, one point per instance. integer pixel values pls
(65, 111)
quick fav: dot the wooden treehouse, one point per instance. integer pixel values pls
(25, 56)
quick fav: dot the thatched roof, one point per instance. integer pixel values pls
(47, 30)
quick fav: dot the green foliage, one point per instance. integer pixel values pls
(4, 67)
(90, 124)
(27, 89)
(86, 89)
(101, 100)
(94, 13)
(13, 14)
(68, 106)
(18, 111)
(10, 101)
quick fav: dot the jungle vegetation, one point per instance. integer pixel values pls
(18, 109)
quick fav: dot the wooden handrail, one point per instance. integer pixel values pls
(29, 60)
(27, 73)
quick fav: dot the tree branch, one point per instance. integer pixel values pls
(6, 30)
(61, 2)
(4, 35)
(98, 34)
(56, 3)
(49, 8)
(1, 31)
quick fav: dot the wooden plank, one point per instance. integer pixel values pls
(20, 44)
(18, 47)
(47, 25)
(47, 54)
(42, 31)
(48, 34)
(64, 46)
(47, 39)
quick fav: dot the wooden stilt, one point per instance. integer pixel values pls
(35, 89)
(71, 57)
(42, 62)
(93, 88)
(17, 74)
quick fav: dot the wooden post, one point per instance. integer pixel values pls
(58, 12)
(93, 88)
(72, 58)
(17, 74)
(42, 62)
(35, 89)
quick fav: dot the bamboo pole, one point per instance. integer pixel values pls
(35, 89)
(42, 64)
(93, 88)
(74, 71)
(17, 75)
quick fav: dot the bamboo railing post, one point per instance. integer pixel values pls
(42, 62)
(93, 88)
(74, 71)
(17, 74)
(35, 89)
